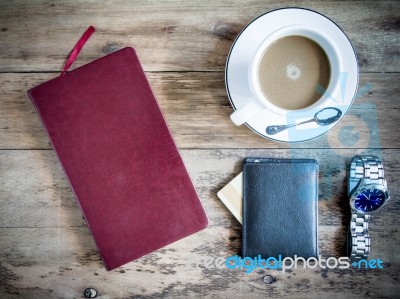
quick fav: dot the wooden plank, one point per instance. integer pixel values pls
(175, 35)
(62, 262)
(34, 192)
(197, 110)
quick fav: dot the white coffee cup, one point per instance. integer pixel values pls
(259, 102)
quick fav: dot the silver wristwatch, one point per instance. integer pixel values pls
(368, 193)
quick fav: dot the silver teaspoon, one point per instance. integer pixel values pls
(324, 117)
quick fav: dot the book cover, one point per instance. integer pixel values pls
(119, 157)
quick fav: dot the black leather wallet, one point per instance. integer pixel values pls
(280, 208)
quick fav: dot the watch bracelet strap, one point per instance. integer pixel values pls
(358, 240)
(369, 168)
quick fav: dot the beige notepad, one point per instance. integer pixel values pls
(231, 196)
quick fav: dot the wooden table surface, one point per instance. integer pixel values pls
(46, 250)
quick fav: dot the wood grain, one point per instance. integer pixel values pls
(51, 262)
(175, 35)
(44, 240)
(197, 110)
(34, 192)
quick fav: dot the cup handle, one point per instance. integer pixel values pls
(243, 114)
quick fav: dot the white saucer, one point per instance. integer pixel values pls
(240, 56)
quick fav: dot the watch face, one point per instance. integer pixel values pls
(369, 200)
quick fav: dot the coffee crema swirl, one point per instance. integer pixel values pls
(290, 71)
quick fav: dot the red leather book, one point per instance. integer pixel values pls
(119, 157)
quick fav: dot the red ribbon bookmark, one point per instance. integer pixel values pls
(77, 48)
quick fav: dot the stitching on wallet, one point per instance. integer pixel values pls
(244, 211)
(316, 209)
